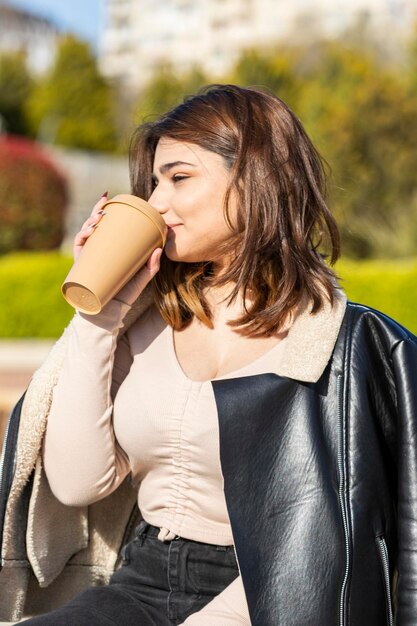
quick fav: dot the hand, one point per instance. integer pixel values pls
(89, 225)
(131, 291)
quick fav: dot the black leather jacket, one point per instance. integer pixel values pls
(321, 482)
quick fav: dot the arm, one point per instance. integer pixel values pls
(228, 608)
(82, 459)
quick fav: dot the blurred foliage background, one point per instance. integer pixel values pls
(358, 105)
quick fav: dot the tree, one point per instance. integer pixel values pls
(72, 106)
(273, 69)
(364, 121)
(166, 90)
(15, 87)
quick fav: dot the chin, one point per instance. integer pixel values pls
(182, 257)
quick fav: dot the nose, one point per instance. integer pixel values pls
(158, 201)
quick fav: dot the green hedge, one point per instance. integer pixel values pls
(30, 294)
(389, 286)
(32, 304)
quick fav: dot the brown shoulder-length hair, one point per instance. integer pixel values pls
(282, 224)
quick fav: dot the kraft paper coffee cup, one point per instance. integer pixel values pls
(124, 239)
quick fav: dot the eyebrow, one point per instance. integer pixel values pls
(168, 166)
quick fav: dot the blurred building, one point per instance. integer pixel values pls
(24, 31)
(140, 35)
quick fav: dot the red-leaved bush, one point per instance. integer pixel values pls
(33, 197)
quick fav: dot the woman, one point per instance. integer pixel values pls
(268, 426)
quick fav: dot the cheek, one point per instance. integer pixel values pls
(203, 229)
(193, 245)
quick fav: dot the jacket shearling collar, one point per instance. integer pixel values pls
(310, 341)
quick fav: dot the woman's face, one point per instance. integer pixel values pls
(190, 189)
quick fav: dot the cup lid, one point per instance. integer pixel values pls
(144, 207)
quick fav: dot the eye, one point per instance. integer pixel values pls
(179, 177)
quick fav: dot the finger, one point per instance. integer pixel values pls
(93, 220)
(97, 210)
(81, 237)
(154, 261)
(99, 204)
(151, 268)
(144, 275)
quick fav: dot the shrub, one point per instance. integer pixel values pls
(389, 286)
(30, 293)
(72, 105)
(33, 197)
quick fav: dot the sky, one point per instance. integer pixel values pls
(80, 16)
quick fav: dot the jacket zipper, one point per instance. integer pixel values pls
(7, 465)
(237, 560)
(342, 498)
(383, 552)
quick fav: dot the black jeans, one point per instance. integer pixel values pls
(160, 583)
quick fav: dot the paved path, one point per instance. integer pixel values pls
(18, 360)
(23, 353)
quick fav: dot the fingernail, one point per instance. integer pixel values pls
(105, 194)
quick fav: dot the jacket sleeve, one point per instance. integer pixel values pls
(405, 372)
